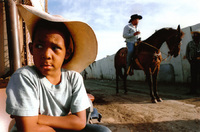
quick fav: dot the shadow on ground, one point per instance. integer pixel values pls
(167, 91)
(166, 126)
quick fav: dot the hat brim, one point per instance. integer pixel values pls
(198, 32)
(138, 17)
(85, 43)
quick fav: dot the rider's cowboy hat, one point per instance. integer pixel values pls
(85, 43)
(135, 16)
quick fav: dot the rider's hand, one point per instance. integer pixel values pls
(136, 33)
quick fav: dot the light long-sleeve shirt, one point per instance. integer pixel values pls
(128, 33)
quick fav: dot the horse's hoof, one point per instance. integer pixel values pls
(154, 101)
(159, 100)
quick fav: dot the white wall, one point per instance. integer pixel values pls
(177, 69)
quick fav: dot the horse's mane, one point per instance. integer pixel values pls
(163, 33)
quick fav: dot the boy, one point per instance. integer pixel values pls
(40, 97)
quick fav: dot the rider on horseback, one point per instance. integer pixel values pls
(131, 33)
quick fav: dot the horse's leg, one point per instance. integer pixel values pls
(149, 81)
(155, 86)
(125, 79)
(117, 81)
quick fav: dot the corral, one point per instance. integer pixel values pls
(134, 112)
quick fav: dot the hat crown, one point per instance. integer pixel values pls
(135, 16)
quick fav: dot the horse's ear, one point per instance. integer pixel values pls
(179, 28)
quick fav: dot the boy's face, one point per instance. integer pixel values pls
(49, 51)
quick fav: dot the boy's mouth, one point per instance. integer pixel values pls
(46, 66)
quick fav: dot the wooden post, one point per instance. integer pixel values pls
(2, 64)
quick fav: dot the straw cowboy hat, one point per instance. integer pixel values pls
(84, 43)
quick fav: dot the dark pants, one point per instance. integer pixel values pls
(195, 72)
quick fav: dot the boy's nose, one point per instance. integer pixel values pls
(47, 53)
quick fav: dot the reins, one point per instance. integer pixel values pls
(157, 50)
(150, 45)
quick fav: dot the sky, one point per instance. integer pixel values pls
(108, 17)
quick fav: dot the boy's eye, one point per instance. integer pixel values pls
(39, 46)
(56, 48)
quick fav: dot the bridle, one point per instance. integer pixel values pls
(157, 50)
(173, 48)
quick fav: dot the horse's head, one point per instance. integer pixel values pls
(174, 41)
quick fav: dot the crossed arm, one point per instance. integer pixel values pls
(44, 123)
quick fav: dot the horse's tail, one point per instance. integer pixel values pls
(120, 62)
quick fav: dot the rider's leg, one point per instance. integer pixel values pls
(130, 47)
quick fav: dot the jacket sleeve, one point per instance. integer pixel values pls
(187, 52)
(128, 33)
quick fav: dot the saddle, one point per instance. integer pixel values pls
(135, 64)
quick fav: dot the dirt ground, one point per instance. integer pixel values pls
(133, 112)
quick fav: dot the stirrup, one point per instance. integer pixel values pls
(138, 64)
(129, 71)
(129, 68)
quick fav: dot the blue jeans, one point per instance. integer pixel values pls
(95, 128)
(130, 47)
(90, 128)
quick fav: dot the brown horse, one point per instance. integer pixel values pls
(148, 58)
